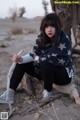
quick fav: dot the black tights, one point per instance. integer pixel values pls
(48, 73)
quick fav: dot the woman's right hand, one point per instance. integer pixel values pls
(16, 58)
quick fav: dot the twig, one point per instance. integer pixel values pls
(8, 80)
(46, 114)
(41, 103)
(11, 70)
(55, 111)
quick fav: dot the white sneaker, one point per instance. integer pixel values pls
(5, 99)
(46, 95)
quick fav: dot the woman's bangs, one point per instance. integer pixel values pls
(49, 23)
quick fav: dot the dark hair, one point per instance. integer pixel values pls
(53, 20)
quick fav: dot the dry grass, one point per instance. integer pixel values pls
(16, 30)
(30, 31)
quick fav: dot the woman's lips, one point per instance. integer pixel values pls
(49, 33)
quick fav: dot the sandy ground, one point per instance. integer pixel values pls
(62, 108)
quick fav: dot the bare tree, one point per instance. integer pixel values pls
(45, 4)
(13, 13)
(21, 11)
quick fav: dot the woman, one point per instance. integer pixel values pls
(52, 52)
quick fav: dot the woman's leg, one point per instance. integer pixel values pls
(69, 89)
(58, 78)
(19, 72)
(53, 74)
(47, 75)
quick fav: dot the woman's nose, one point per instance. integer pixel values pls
(49, 28)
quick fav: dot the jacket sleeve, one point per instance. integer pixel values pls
(27, 58)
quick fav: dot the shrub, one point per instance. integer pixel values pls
(30, 31)
(16, 30)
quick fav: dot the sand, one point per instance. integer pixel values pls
(63, 107)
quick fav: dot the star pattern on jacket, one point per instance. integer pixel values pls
(61, 61)
(69, 52)
(43, 58)
(67, 36)
(54, 54)
(62, 46)
(48, 56)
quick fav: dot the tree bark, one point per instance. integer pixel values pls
(69, 15)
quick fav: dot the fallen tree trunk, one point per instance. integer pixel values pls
(75, 51)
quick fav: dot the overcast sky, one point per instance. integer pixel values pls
(33, 7)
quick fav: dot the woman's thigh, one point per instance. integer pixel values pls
(61, 76)
(55, 74)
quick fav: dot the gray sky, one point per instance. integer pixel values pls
(33, 7)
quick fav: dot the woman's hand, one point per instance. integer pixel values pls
(17, 58)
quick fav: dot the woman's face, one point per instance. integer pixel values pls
(50, 31)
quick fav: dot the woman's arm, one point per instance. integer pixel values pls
(22, 59)
(27, 58)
